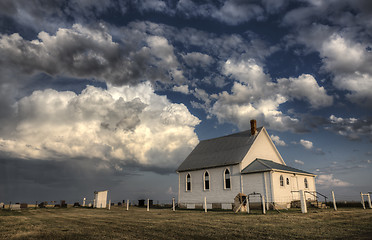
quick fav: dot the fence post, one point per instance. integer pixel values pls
(205, 204)
(361, 196)
(334, 200)
(127, 204)
(369, 200)
(148, 204)
(247, 202)
(263, 205)
(173, 205)
(303, 202)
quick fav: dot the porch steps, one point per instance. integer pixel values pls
(317, 204)
(314, 204)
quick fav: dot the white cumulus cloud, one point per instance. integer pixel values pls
(278, 141)
(195, 59)
(306, 87)
(299, 162)
(306, 144)
(346, 56)
(125, 125)
(255, 95)
(328, 180)
(182, 89)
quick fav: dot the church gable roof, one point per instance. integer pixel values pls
(260, 165)
(221, 151)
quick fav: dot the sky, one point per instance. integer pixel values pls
(113, 95)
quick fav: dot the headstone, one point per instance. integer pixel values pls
(2, 205)
(240, 203)
(16, 206)
(119, 203)
(43, 204)
(63, 204)
(141, 203)
(24, 205)
(76, 204)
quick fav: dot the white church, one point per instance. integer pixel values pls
(245, 162)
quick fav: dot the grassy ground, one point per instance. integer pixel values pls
(137, 223)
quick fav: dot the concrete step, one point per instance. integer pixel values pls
(318, 204)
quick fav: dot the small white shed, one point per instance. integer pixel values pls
(100, 199)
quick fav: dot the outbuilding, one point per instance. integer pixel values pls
(100, 199)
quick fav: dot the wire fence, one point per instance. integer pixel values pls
(341, 200)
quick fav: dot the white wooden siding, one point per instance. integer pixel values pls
(284, 194)
(216, 192)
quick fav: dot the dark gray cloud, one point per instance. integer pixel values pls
(83, 52)
(344, 167)
(49, 15)
(352, 128)
(70, 179)
(231, 12)
(143, 51)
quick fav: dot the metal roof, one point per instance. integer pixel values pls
(260, 165)
(221, 151)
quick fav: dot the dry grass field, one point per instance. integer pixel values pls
(137, 223)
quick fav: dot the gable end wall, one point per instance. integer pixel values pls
(262, 148)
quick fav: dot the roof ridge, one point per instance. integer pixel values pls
(275, 166)
(260, 160)
(258, 130)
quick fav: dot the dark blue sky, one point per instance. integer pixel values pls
(115, 94)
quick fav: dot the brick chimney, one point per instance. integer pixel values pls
(253, 127)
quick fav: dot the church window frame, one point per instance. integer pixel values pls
(207, 181)
(306, 183)
(188, 182)
(226, 179)
(281, 180)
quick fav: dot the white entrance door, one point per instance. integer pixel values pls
(294, 188)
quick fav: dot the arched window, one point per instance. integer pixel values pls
(206, 180)
(188, 182)
(281, 180)
(306, 185)
(287, 181)
(227, 179)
